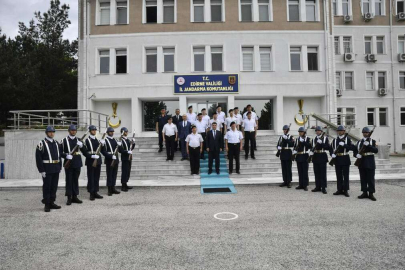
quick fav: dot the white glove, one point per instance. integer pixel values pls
(119, 143)
(333, 155)
(129, 152)
(285, 137)
(311, 154)
(102, 141)
(279, 147)
(69, 157)
(133, 139)
(114, 157)
(43, 174)
(358, 156)
(294, 152)
(80, 144)
(366, 143)
(301, 139)
(319, 141)
(341, 143)
(95, 156)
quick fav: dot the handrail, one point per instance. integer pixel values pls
(67, 110)
(333, 125)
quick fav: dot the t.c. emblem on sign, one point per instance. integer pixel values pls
(232, 79)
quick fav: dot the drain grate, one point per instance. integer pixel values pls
(216, 190)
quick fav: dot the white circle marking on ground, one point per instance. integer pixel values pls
(226, 213)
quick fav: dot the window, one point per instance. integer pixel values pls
(104, 13)
(380, 45)
(216, 58)
(295, 55)
(216, 10)
(199, 58)
(378, 7)
(265, 58)
(293, 10)
(369, 80)
(381, 80)
(337, 46)
(198, 7)
(312, 55)
(402, 112)
(400, 6)
(151, 11)
(338, 80)
(368, 45)
(347, 44)
(345, 7)
(247, 58)
(104, 56)
(334, 7)
(346, 116)
(168, 11)
(151, 60)
(121, 61)
(246, 10)
(370, 116)
(122, 12)
(382, 115)
(402, 80)
(401, 44)
(366, 6)
(310, 7)
(168, 58)
(349, 80)
(264, 10)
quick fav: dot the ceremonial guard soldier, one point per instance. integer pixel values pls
(73, 170)
(170, 138)
(233, 145)
(48, 158)
(320, 159)
(301, 148)
(249, 127)
(184, 128)
(214, 147)
(161, 121)
(284, 145)
(365, 150)
(92, 156)
(110, 152)
(339, 151)
(126, 149)
(194, 149)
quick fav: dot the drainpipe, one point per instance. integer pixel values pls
(393, 80)
(326, 30)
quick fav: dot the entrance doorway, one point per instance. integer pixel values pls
(209, 105)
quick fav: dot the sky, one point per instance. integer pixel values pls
(14, 11)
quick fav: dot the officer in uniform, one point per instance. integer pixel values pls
(194, 144)
(319, 160)
(342, 162)
(367, 165)
(126, 152)
(73, 171)
(284, 145)
(301, 147)
(233, 145)
(108, 152)
(48, 158)
(177, 118)
(161, 121)
(249, 127)
(93, 173)
(202, 127)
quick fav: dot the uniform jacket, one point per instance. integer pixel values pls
(108, 150)
(91, 148)
(345, 159)
(184, 131)
(175, 120)
(304, 146)
(125, 147)
(324, 146)
(67, 146)
(286, 154)
(367, 162)
(214, 144)
(47, 150)
(162, 120)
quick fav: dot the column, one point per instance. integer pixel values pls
(136, 110)
(183, 104)
(231, 103)
(278, 110)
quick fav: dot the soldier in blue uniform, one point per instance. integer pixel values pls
(108, 152)
(284, 145)
(48, 158)
(73, 171)
(367, 165)
(126, 151)
(320, 160)
(342, 162)
(301, 147)
(93, 173)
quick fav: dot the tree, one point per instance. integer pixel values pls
(151, 111)
(265, 121)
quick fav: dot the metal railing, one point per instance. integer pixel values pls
(60, 119)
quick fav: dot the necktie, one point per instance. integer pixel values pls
(184, 124)
(214, 134)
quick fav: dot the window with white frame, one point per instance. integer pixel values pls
(151, 60)
(402, 116)
(368, 45)
(247, 58)
(366, 6)
(338, 80)
(199, 58)
(380, 45)
(334, 5)
(168, 59)
(342, 7)
(378, 10)
(246, 8)
(264, 10)
(312, 57)
(104, 61)
(168, 11)
(347, 44)
(382, 79)
(402, 80)
(198, 10)
(383, 117)
(293, 10)
(216, 11)
(122, 12)
(370, 80)
(310, 8)
(151, 11)
(346, 116)
(401, 44)
(371, 116)
(337, 45)
(349, 80)
(345, 7)
(265, 58)
(104, 13)
(295, 58)
(120, 61)
(216, 58)
(400, 6)
(345, 80)
(376, 7)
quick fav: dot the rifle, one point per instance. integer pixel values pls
(116, 152)
(99, 150)
(282, 141)
(74, 150)
(315, 148)
(130, 145)
(332, 161)
(363, 149)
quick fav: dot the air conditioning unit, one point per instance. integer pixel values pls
(347, 18)
(401, 57)
(368, 16)
(401, 16)
(349, 57)
(339, 92)
(371, 58)
(382, 92)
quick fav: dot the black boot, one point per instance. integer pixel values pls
(97, 196)
(114, 191)
(363, 196)
(299, 187)
(92, 198)
(69, 200)
(128, 187)
(110, 193)
(47, 207)
(371, 197)
(283, 185)
(289, 185)
(305, 189)
(124, 188)
(324, 191)
(346, 193)
(316, 190)
(338, 193)
(54, 206)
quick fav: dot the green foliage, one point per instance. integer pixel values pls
(151, 111)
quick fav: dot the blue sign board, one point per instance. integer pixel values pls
(203, 84)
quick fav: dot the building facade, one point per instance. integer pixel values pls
(280, 51)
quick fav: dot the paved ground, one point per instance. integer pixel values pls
(174, 228)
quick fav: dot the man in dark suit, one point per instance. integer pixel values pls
(176, 119)
(184, 128)
(214, 146)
